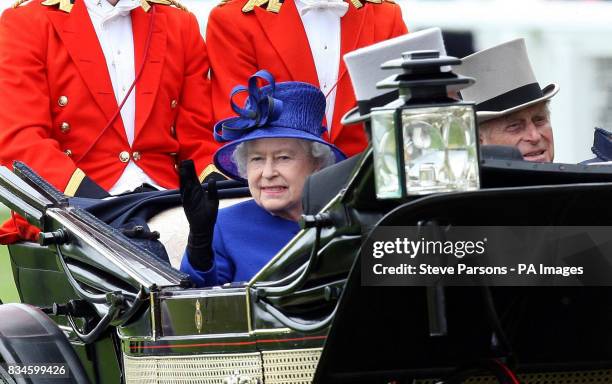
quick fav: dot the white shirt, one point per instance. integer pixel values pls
(323, 31)
(113, 26)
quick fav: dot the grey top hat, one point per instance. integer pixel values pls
(505, 82)
(364, 68)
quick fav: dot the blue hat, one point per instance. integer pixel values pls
(285, 110)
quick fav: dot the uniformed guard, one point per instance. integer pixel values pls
(298, 40)
(103, 95)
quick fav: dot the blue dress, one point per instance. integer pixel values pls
(246, 237)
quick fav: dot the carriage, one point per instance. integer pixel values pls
(99, 307)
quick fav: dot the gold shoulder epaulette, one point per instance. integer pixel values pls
(163, 2)
(18, 3)
(357, 3)
(273, 5)
(64, 5)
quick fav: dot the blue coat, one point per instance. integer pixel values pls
(602, 146)
(246, 237)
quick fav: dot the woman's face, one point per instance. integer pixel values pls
(276, 171)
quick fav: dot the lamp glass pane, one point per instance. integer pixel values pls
(386, 164)
(440, 149)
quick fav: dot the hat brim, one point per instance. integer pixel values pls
(354, 117)
(548, 92)
(223, 156)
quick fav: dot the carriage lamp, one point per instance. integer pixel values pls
(425, 141)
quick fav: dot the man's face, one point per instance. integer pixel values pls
(528, 130)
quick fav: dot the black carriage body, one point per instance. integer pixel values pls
(305, 316)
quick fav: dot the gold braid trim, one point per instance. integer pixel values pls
(64, 5)
(357, 4)
(248, 7)
(18, 3)
(168, 2)
(274, 6)
(145, 5)
(210, 168)
(179, 5)
(74, 182)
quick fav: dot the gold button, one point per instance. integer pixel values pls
(68, 153)
(173, 154)
(173, 131)
(173, 104)
(136, 156)
(176, 167)
(65, 127)
(62, 101)
(124, 156)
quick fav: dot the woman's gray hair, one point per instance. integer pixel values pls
(321, 153)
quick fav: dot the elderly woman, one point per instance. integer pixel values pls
(274, 144)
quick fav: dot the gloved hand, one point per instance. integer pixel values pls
(201, 207)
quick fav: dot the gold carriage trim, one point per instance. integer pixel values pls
(295, 366)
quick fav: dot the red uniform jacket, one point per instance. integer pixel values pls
(57, 96)
(240, 43)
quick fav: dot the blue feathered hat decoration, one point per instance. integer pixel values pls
(285, 110)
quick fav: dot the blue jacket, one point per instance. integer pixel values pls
(246, 237)
(602, 146)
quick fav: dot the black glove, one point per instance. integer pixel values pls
(201, 207)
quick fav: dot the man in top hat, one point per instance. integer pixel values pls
(103, 95)
(511, 106)
(298, 40)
